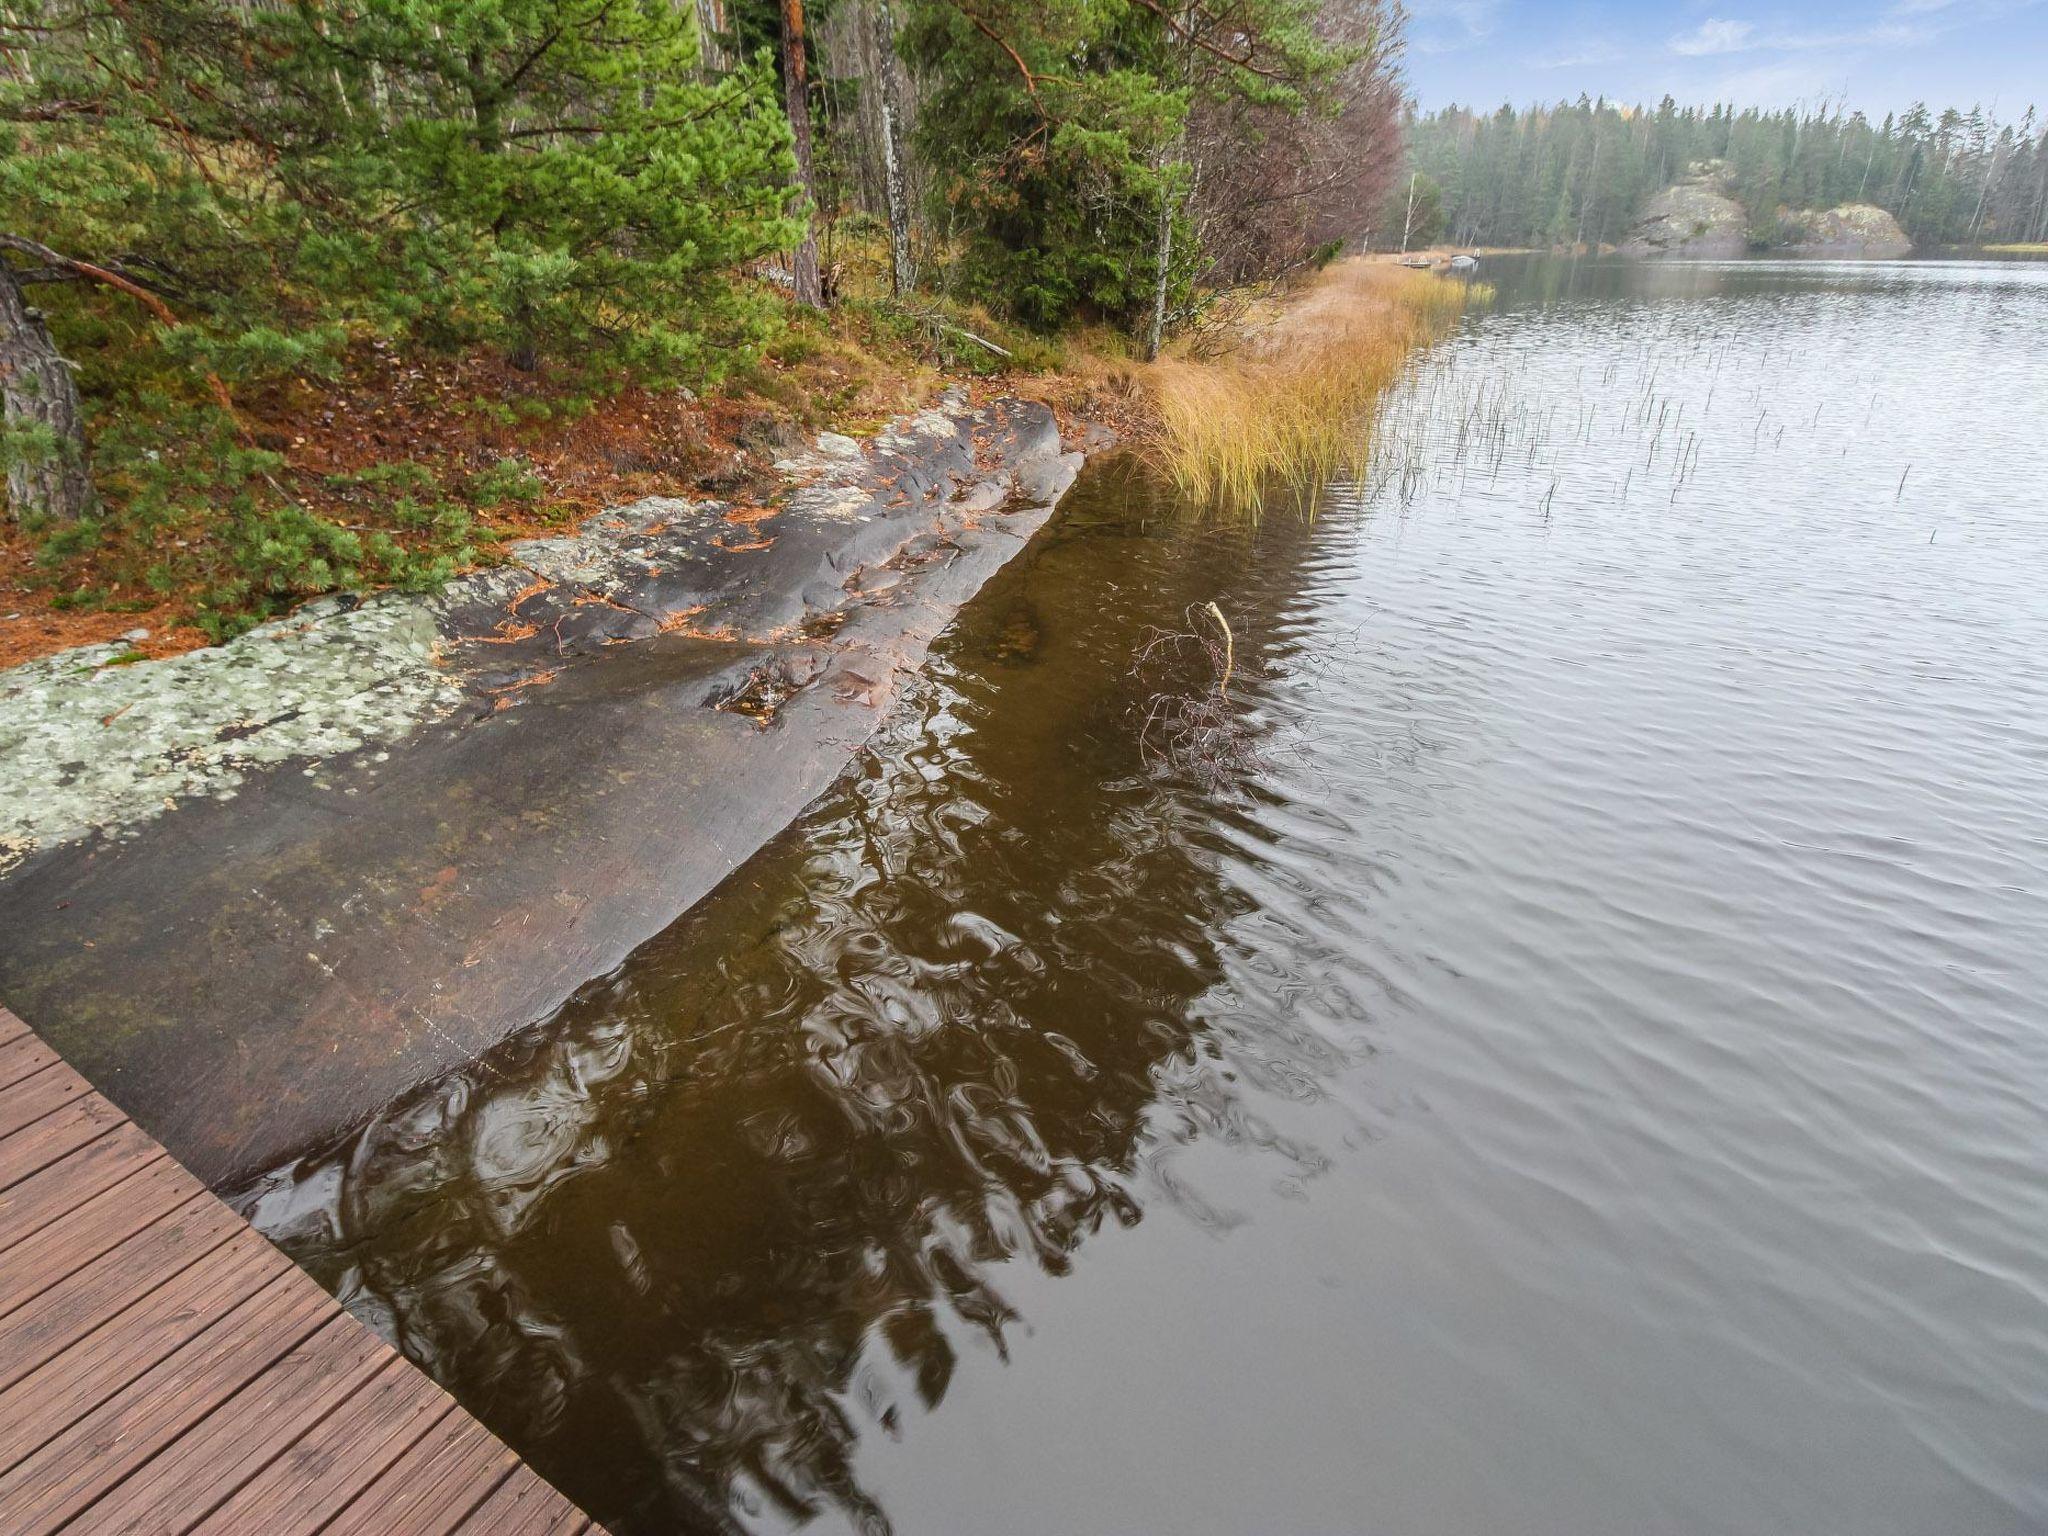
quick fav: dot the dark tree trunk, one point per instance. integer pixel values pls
(38, 391)
(796, 97)
(895, 179)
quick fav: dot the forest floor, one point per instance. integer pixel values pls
(521, 455)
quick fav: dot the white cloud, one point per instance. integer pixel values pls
(1778, 85)
(1886, 34)
(1715, 35)
(1591, 51)
(1445, 26)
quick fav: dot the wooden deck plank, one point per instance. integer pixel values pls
(25, 1102)
(164, 1368)
(37, 1092)
(525, 1505)
(88, 1230)
(73, 1380)
(154, 1260)
(21, 1056)
(215, 1457)
(57, 1480)
(33, 1148)
(33, 1204)
(433, 1486)
(322, 1471)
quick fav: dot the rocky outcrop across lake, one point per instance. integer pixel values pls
(1853, 229)
(1693, 218)
(1698, 218)
(257, 892)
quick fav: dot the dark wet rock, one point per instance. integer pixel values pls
(292, 877)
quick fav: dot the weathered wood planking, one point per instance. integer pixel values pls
(164, 1370)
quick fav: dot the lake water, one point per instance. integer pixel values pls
(1586, 1070)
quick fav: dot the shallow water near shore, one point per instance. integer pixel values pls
(1586, 1073)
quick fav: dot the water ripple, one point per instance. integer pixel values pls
(1590, 1076)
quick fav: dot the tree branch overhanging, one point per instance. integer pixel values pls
(1030, 77)
(1247, 61)
(150, 301)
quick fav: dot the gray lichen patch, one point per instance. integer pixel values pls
(913, 434)
(88, 746)
(833, 479)
(830, 501)
(610, 544)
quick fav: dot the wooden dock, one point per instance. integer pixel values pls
(164, 1369)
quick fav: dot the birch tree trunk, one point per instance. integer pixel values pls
(1157, 330)
(710, 24)
(38, 391)
(796, 99)
(895, 175)
(1983, 192)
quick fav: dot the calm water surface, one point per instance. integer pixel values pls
(1590, 1075)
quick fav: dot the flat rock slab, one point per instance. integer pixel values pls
(273, 886)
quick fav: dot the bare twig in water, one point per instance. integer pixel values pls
(1229, 651)
(1200, 734)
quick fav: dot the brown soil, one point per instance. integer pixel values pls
(30, 626)
(457, 416)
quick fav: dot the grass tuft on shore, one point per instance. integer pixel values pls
(1290, 398)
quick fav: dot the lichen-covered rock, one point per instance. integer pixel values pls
(1691, 218)
(406, 827)
(89, 744)
(1853, 229)
(92, 745)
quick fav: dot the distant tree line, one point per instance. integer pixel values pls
(1578, 172)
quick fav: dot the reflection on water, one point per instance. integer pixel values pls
(1589, 1077)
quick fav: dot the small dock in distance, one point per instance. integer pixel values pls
(164, 1369)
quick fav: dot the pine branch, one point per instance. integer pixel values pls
(115, 280)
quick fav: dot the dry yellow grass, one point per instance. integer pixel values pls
(1290, 400)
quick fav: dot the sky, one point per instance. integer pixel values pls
(1876, 57)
